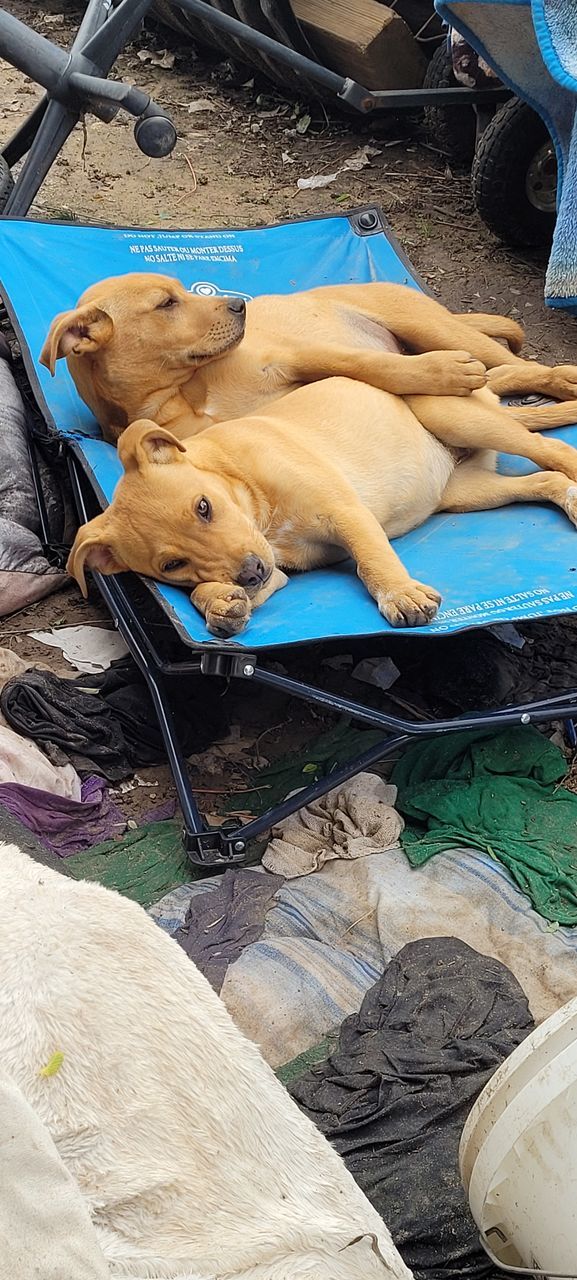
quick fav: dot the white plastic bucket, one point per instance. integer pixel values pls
(518, 1152)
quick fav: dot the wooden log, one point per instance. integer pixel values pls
(364, 40)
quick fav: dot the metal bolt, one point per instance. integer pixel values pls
(238, 846)
(248, 670)
(525, 718)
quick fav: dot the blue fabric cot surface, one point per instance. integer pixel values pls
(491, 567)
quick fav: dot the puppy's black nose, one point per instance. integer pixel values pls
(236, 305)
(252, 572)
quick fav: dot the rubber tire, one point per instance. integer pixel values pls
(6, 182)
(505, 151)
(452, 129)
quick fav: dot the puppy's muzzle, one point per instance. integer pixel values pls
(253, 573)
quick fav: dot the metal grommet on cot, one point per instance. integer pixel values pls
(368, 220)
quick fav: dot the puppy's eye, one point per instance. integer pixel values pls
(172, 565)
(204, 509)
(168, 302)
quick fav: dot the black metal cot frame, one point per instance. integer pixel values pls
(76, 82)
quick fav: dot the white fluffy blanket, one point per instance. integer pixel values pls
(45, 1228)
(191, 1157)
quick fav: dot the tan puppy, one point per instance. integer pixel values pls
(331, 471)
(141, 346)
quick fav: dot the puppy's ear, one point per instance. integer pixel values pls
(92, 549)
(75, 333)
(145, 444)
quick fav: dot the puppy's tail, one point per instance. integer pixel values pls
(496, 327)
(539, 417)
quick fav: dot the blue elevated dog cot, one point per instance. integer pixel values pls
(491, 567)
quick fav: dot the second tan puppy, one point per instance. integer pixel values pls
(332, 470)
(141, 346)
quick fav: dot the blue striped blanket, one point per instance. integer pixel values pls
(329, 935)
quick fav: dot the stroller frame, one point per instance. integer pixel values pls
(77, 82)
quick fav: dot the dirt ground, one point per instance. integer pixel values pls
(240, 150)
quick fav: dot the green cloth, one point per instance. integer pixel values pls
(143, 865)
(499, 793)
(317, 760)
(292, 1070)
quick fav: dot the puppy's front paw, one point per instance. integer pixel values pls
(225, 613)
(562, 382)
(411, 605)
(455, 373)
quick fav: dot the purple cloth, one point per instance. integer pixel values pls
(66, 826)
(160, 813)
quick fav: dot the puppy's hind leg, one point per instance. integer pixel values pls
(425, 325)
(480, 423)
(471, 488)
(527, 378)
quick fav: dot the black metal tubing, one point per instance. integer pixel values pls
(561, 706)
(409, 99)
(349, 91)
(132, 631)
(32, 53)
(315, 790)
(47, 545)
(320, 75)
(22, 140)
(55, 126)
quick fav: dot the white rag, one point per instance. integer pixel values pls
(23, 762)
(10, 665)
(352, 821)
(45, 1227)
(89, 649)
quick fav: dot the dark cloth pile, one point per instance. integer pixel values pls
(394, 1095)
(106, 724)
(220, 924)
(26, 575)
(477, 668)
(481, 668)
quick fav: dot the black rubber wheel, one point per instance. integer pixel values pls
(452, 129)
(6, 182)
(515, 177)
